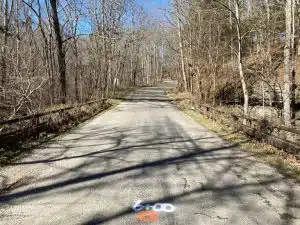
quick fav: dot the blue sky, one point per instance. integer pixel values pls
(154, 6)
(153, 3)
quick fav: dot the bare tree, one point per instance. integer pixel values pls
(5, 31)
(239, 57)
(288, 59)
(60, 51)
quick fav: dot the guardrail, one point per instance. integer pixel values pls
(283, 137)
(34, 126)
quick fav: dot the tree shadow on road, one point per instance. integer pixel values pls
(108, 158)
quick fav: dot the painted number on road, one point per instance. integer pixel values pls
(158, 207)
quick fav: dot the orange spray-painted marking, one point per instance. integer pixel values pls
(147, 216)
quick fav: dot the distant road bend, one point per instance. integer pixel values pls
(145, 154)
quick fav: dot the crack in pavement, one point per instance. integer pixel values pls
(212, 217)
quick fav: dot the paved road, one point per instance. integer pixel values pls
(145, 149)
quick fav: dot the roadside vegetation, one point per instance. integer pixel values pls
(60, 124)
(239, 55)
(286, 163)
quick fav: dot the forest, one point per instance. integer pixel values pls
(240, 54)
(65, 52)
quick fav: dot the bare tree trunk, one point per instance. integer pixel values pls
(109, 69)
(49, 52)
(77, 71)
(60, 51)
(148, 69)
(230, 23)
(269, 57)
(240, 61)
(287, 63)
(18, 38)
(182, 56)
(4, 45)
(293, 64)
(131, 64)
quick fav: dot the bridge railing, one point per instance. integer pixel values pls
(280, 136)
(31, 126)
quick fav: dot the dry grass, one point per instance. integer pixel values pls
(284, 162)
